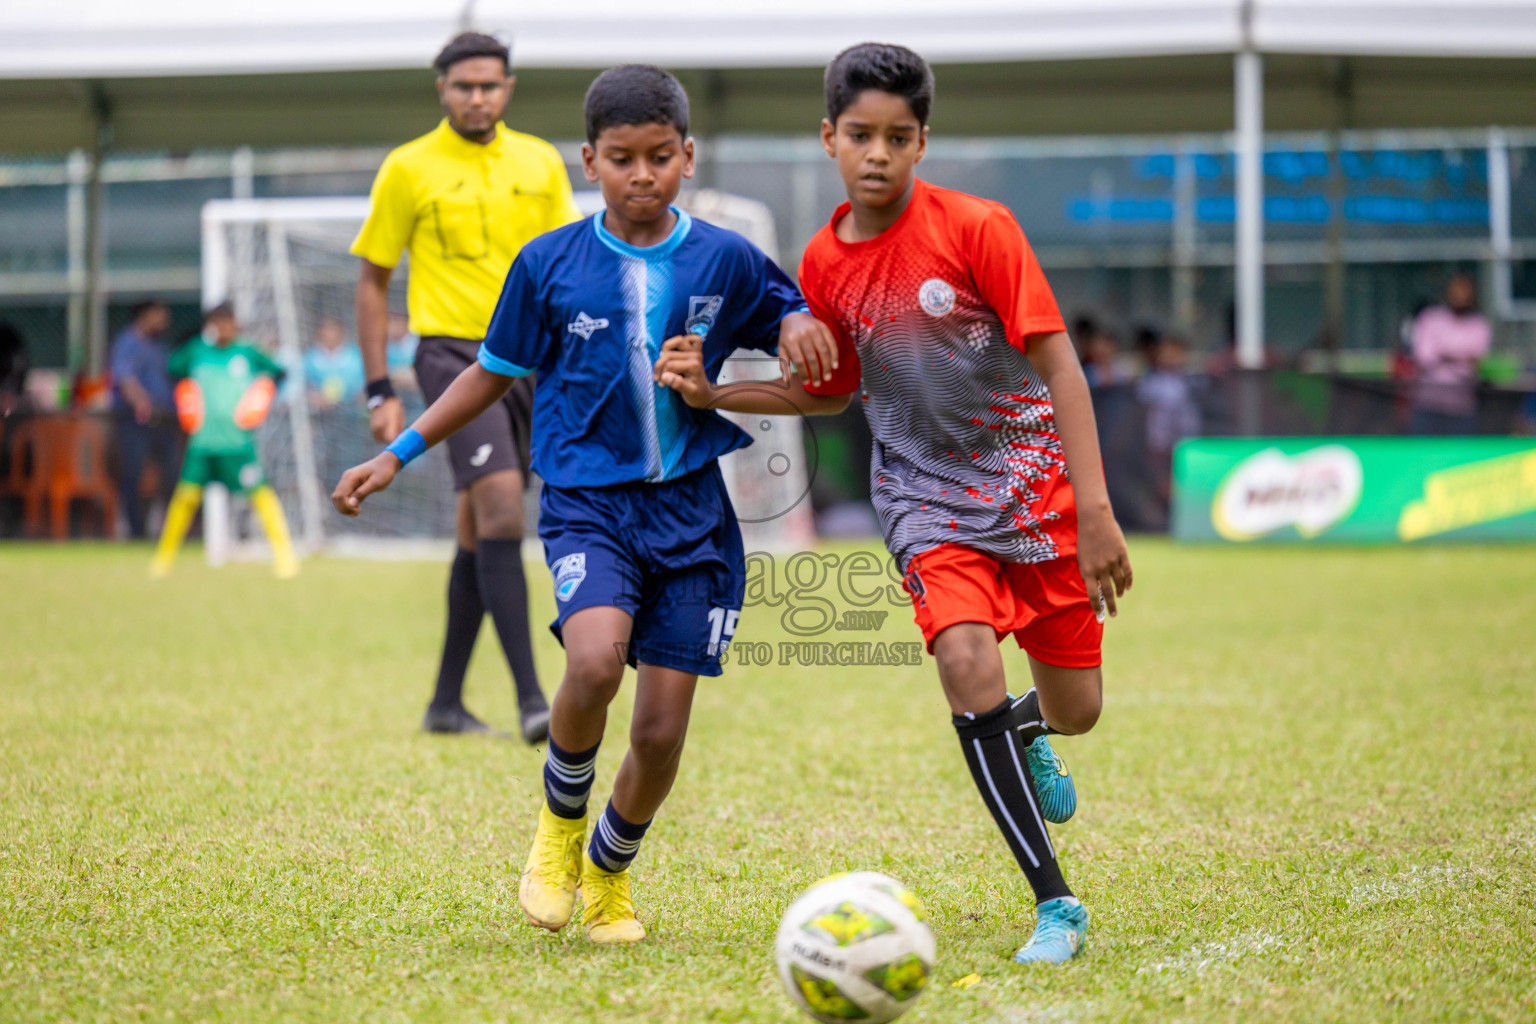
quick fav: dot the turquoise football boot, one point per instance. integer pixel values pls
(1053, 783)
(1060, 933)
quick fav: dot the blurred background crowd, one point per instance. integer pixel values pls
(1152, 388)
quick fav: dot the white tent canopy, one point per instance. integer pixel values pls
(188, 73)
(50, 39)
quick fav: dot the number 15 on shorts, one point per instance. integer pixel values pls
(722, 626)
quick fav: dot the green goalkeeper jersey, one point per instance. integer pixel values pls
(223, 374)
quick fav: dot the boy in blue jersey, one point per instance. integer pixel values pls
(637, 527)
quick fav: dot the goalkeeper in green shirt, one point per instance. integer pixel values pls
(225, 387)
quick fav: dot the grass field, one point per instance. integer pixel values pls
(1312, 796)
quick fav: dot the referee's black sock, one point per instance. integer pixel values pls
(465, 611)
(994, 743)
(504, 589)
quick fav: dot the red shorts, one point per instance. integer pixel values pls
(1044, 605)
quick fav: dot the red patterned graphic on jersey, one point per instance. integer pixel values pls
(931, 318)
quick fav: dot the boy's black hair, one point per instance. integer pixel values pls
(883, 66)
(224, 310)
(635, 94)
(143, 306)
(467, 45)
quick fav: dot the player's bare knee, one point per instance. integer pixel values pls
(957, 663)
(1077, 719)
(657, 740)
(592, 676)
(1072, 705)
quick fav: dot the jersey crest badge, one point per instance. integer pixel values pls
(703, 310)
(936, 297)
(586, 326)
(569, 572)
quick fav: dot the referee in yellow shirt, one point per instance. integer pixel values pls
(463, 199)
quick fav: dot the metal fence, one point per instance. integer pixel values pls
(1360, 227)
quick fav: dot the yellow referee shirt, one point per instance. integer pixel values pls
(463, 210)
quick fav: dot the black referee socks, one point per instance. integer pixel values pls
(504, 591)
(465, 611)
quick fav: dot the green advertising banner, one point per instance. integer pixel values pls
(1355, 490)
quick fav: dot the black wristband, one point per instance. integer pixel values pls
(379, 392)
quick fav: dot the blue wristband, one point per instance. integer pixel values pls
(407, 446)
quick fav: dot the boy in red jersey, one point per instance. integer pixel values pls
(986, 471)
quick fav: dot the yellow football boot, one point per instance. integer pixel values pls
(608, 909)
(548, 888)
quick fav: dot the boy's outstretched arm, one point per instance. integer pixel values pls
(681, 368)
(1101, 553)
(472, 392)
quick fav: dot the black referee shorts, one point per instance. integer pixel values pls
(499, 437)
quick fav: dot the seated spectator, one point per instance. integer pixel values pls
(1449, 341)
(333, 369)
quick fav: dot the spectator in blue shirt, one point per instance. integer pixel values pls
(145, 410)
(333, 370)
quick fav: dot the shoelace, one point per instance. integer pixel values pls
(556, 857)
(611, 900)
(1053, 927)
(1045, 756)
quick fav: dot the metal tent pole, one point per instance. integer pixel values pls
(95, 361)
(1184, 239)
(1250, 209)
(1498, 221)
(75, 214)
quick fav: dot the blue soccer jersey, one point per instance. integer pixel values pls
(588, 313)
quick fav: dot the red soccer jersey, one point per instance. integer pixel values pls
(931, 319)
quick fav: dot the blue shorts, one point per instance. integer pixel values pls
(669, 554)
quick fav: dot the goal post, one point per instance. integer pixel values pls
(286, 267)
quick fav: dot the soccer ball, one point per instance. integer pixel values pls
(855, 947)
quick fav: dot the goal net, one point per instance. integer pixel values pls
(285, 266)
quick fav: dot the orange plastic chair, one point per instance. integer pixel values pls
(26, 481)
(67, 459)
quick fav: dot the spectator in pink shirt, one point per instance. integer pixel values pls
(1448, 342)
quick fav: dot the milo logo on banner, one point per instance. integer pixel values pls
(1270, 490)
(1355, 490)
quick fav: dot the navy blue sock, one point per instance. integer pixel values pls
(615, 841)
(568, 779)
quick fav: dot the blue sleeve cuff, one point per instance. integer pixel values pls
(407, 446)
(491, 361)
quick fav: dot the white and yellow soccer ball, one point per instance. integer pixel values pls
(856, 947)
